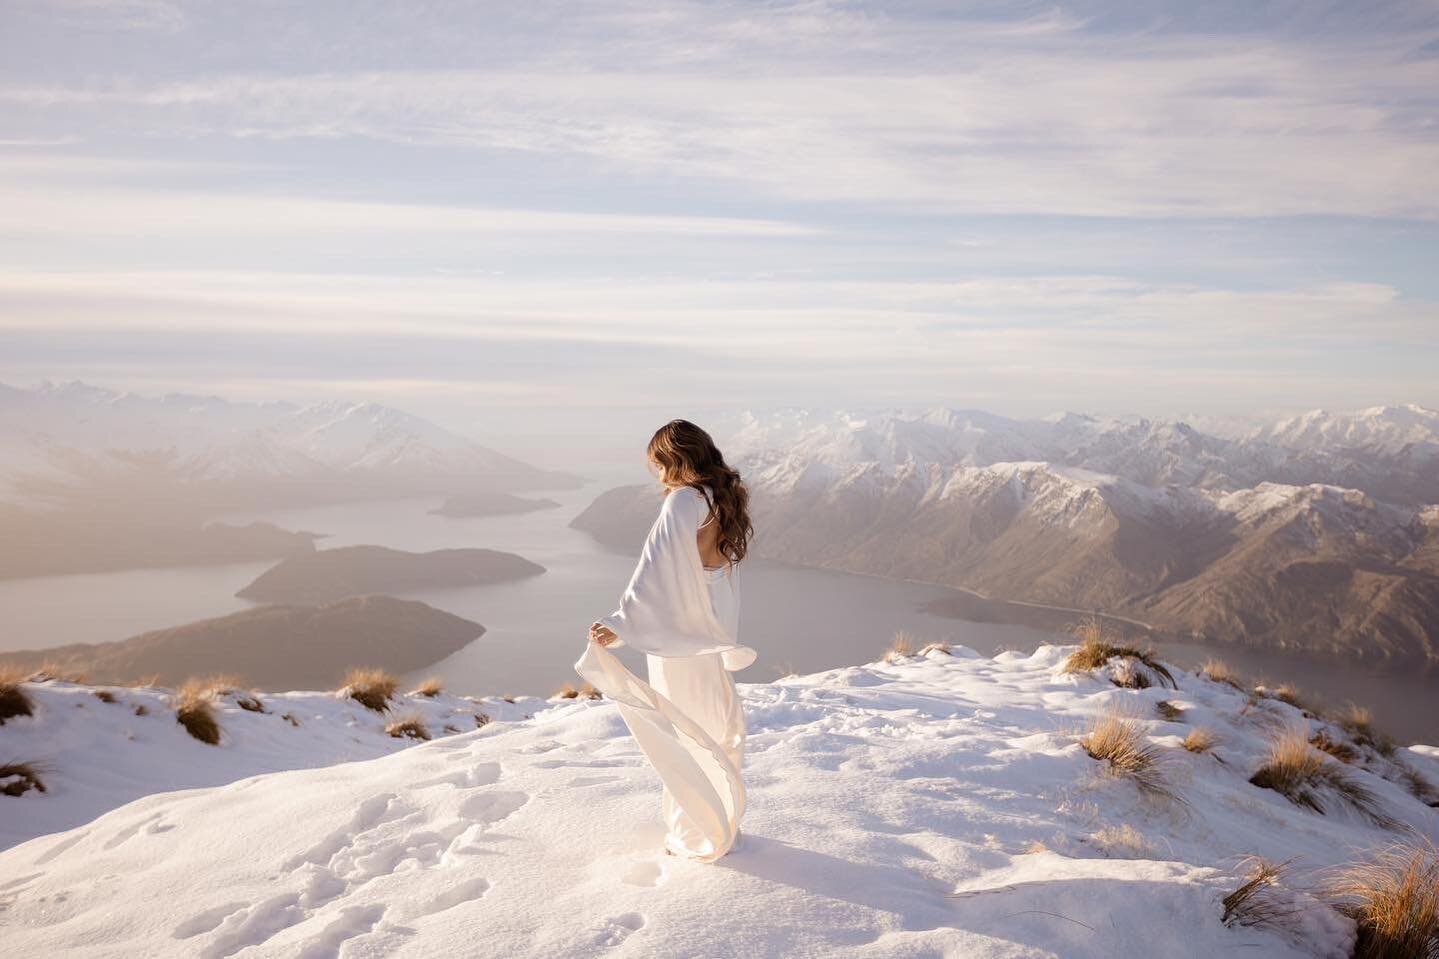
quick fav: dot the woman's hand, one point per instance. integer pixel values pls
(601, 635)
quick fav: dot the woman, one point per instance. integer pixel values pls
(681, 609)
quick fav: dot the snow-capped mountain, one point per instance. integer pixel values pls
(938, 804)
(64, 433)
(1290, 536)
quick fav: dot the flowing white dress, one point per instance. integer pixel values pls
(687, 719)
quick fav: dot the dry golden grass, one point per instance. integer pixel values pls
(1358, 722)
(571, 691)
(940, 647)
(104, 695)
(16, 779)
(411, 726)
(14, 701)
(1220, 672)
(431, 687)
(1305, 776)
(1119, 741)
(195, 710)
(1337, 748)
(1123, 841)
(371, 688)
(1168, 710)
(901, 647)
(1034, 848)
(51, 670)
(1419, 787)
(1200, 740)
(1099, 643)
(1289, 693)
(1253, 903)
(1394, 901)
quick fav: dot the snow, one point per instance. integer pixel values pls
(937, 806)
(101, 755)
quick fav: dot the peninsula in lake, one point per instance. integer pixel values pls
(491, 503)
(331, 574)
(272, 647)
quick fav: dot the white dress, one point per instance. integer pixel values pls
(687, 719)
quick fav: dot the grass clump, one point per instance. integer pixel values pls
(371, 688)
(1305, 776)
(104, 695)
(1358, 722)
(940, 647)
(1120, 742)
(1168, 710)
(901, 647)
(14, 701)
(430, 688)
(408, 727)
(1220, 672)
(1289, 693)
(1098, 646)
(1254, 903)
(482, 720)
(1337, 748)
(1200, 740)
(195, 710)
(1394, 901)
(571, 691)
(16, 779)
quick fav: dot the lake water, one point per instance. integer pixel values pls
(799, 619)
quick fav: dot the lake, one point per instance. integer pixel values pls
(799, 619)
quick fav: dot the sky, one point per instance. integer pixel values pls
(538, 221)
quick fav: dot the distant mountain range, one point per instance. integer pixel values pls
(1310, 532)
(66, 440)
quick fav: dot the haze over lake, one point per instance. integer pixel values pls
(799, 618)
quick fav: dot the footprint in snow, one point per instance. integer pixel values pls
(491, 807)
(467, 891)
(645, 874)
(617, 929)
(352, 921)
(481, 774)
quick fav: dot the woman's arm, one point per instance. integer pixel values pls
(665, 609)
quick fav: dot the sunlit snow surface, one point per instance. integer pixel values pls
(941, 806)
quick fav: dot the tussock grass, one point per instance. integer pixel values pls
(14, 701)
(1289, 693)
(371, 688)
(1394, 901)
(482, 720)
(1220, 672)
(1200, 740)
(431, 687)
(1306, 777)
(901, 647)
(1419, 787)
(571, 691)
(940, 647)
(50, 670)
(411, 726)
(1123, 841)
(1337, 748)
(195, 710)
(1168, 710)
(1253, 903)
(1358, 722)
(16, 778)
(104, 695)
(249, 703)
(1099, 644)
(1119, 741)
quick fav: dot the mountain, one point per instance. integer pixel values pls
(328, 575)
(272, 646)
(937, 805)
(66, 441)
(1152, 521)
(491, 504)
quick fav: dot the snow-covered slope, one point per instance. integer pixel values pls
(942, 805)
(96, 755)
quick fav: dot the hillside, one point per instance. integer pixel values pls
(938, 805)
(328, 575)
(272, 646)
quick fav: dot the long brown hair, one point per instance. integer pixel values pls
(690, 458)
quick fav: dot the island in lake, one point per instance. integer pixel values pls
(330, 574)
(491, 503)
(272, 647)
